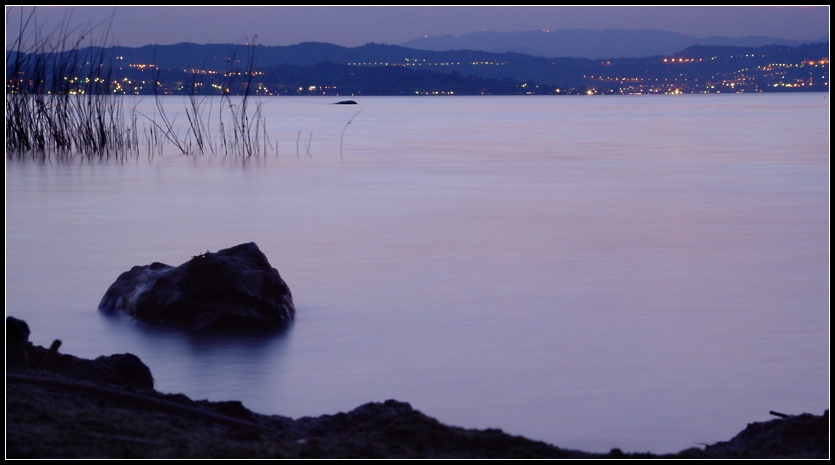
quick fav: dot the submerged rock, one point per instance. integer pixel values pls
(234, 288)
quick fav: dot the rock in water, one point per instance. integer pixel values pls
(234, 288)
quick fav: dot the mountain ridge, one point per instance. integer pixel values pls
(589, 43)
(380, 69)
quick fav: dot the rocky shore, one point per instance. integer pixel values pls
(61, 406)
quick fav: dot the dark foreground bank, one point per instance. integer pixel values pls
(61, 406)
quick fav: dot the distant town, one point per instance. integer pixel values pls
(376, 69)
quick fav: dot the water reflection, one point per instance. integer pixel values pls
(495, 262)
(208, 363)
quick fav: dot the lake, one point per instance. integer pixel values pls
(641, 272)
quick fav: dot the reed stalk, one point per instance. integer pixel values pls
(342, 136)
(58, 97)
(61, 99)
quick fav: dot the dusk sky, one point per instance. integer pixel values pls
(356, 25)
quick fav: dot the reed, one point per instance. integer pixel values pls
(58, 97)
(196, 120)
(247, 137)
(61, 98)
(239, 132)
(342, 136)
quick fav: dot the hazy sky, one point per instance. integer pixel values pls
(357, 25)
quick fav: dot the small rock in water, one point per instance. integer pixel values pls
(232, 289)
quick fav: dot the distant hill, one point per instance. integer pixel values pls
(587, 43)
(377, 69)
(221, 56)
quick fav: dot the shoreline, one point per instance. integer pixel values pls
(62, 406)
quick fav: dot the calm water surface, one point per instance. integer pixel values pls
(646, 273)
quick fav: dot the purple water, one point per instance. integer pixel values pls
(641, 272)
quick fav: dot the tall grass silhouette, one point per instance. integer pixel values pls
(58, 97)
(62, 99)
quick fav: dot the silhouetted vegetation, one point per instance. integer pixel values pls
(46, 111)
(65, 98)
